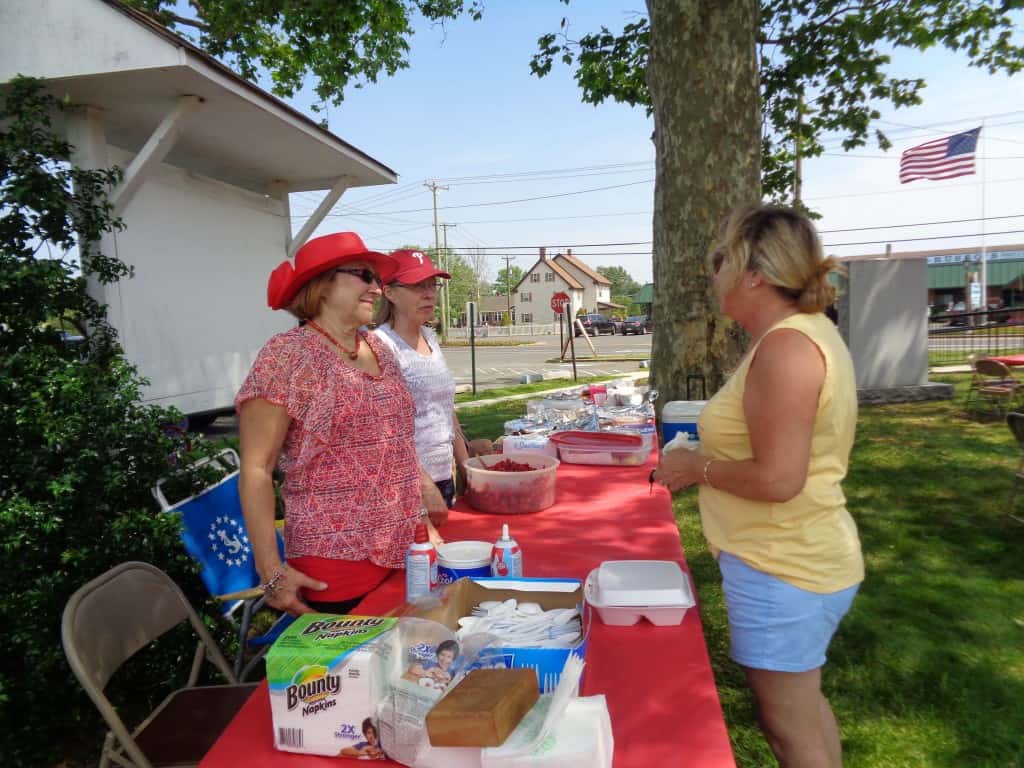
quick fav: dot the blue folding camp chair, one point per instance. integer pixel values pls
(214, 533)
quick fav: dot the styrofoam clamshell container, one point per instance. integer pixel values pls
(656, 590)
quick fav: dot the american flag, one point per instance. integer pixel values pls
(944, 158)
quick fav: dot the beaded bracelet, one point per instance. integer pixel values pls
(707, 480)
(273, 584)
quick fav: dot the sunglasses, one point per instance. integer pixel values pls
(423, 286)
(365, 274)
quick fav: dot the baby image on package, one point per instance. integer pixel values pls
(327, 675)
(430, 666)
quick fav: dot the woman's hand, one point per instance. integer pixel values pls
(435, 538)
(680, 469)
(286, 595)
(481, 447)
(434, 502)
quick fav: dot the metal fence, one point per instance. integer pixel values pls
(505, 331)
(954, 336)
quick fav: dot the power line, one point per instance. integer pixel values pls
(553, 177)
(919, 189)
(607, 166)
(919, 239)
(500, 202)
(606, 254)
(896, 157)
(557, 246)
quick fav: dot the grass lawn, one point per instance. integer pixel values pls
(928, 667)
(525, 389)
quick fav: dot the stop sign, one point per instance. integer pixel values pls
(558, 302)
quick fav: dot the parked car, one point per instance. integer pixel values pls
(71, 339)
(596, 325)
(638, 324)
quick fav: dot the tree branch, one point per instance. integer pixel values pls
(165, 18)
(185, 21)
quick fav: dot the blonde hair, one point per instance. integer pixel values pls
(306, 304)
(782, 245)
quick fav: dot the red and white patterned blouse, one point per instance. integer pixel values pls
(352, 478)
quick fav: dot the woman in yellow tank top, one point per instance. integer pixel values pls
(775, 446)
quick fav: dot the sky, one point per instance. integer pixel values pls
(468, 110)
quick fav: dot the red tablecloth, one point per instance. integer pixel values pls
(1010, 360)
(661, 693)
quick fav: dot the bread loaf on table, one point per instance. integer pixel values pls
(483, 709)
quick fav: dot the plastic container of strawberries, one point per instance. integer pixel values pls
(497, 492)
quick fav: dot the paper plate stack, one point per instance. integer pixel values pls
(624, 591)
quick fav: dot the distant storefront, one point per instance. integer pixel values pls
(951, 272)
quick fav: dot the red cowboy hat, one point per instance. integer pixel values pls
(318, 255)
(412, 267)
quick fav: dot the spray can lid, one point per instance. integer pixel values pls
(504, 532)
(420, 537)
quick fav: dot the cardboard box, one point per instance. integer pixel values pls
(326, 676)
(459, 598)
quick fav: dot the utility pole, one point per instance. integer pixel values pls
(444, 266)
(433, 186)
(798, 162)
(508, 288)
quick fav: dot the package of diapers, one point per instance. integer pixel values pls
(327, 675)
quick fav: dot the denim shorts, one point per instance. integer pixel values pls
(447, 489)
(774, 625)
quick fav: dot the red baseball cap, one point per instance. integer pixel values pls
(412, 267)
(317, 256)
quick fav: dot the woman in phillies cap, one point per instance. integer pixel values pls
(409, 301)
(327, 404)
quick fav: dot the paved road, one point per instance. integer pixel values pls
(500, 366)
(503, 365)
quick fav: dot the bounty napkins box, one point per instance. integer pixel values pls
(326, 675)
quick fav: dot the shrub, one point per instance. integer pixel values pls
(78, 452)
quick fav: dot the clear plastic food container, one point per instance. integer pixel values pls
(608, 448)
(511, 493)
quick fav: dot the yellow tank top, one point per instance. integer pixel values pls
(809, 541)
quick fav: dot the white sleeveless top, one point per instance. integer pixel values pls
(433, 390)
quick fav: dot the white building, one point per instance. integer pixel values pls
(597, 289)
(542, 281)
(587, 288)
(209, 160)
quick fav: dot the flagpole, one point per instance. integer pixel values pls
(984, 249)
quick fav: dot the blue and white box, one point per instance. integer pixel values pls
(459, 598)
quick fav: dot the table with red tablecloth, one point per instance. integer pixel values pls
(1011, 360)
(658, 681)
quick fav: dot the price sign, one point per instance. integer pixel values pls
(975, 296)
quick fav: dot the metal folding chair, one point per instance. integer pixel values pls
(1016, 423)
(108, 621)
(214, 534)
(993, 388)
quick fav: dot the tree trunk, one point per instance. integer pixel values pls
(703, 78)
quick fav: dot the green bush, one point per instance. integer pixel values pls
(78, 452)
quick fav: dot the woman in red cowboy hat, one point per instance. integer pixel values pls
(410, 297)
(326, 403)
